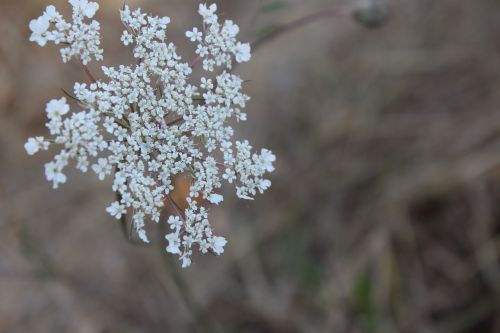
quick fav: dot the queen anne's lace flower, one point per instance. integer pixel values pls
(151, 121)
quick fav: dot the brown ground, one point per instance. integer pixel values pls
(384, 214)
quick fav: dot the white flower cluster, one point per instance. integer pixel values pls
(150, 122)
(218, 44)
(81, 39)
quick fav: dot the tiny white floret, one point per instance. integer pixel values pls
(116, 210)
(174, 243)
(57, 108)
(215, 198)
(39, 28)
(88, 9)
(33, 145)
(218, 244)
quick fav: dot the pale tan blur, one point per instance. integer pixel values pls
(384, 212)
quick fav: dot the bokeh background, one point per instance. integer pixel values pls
(384, 215)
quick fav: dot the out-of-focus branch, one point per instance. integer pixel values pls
(369, 13)
(298, 23)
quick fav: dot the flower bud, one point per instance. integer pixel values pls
(371, 13)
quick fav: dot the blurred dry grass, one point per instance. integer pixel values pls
(384, 213)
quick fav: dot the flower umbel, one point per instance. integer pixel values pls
(151, 121)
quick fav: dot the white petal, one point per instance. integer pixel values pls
(91, 9)
(265, 184)
(31, 146)
(218, 244)
(51, 11)
(245, 197)
(142, 235)
(75, 3)
(215, 198)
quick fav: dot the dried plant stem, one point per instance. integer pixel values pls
(200, 321)
(298, 23)
(196, 61)
(87, 71)
(175, 208)
(175, 121)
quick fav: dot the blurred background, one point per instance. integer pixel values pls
(384, 215)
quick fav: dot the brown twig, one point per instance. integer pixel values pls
(87, 71)
(298, 23)
(175, 121)
(175, 208)
(196, 61)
